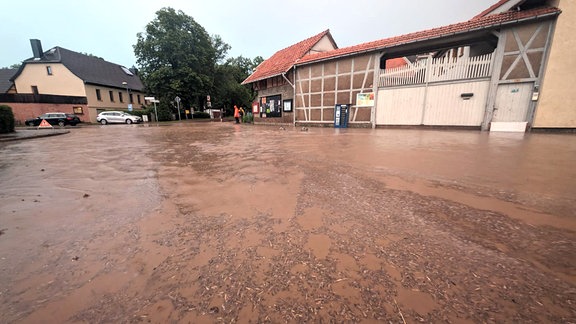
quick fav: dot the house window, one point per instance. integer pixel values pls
(35, 90)
(131, 98)
(49, 70)
(139, 102)
(120, 97)
(78, 110)
(111, 93)
(98, 95)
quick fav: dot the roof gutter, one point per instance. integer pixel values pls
(283, 74)
(263, 78)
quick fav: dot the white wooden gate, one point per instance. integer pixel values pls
(444, 91)
(439, 104)
(512, 102)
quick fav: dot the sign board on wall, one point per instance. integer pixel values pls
(365, 99)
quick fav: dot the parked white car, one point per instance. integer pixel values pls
(118, 117)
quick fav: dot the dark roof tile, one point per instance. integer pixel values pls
(90, 69)
(5, 82)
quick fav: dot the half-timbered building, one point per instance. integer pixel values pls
(484, 73)
(274, 79)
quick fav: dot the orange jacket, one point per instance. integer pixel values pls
(236, 112)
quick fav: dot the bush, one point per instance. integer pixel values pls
(201, 114)
(164, 111)
(6, 119)
(140, 112)
(248, 118)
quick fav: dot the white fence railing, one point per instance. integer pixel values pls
(436, 70)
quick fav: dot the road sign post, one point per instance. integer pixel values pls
(152, 99)
(155, 110)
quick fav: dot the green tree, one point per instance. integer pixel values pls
(257, 61)
(13, 66)
(228, 78)
(177, 57)
(92, 55)
(220, 47)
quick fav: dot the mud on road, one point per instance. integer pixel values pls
(236, 223)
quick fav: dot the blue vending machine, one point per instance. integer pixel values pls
(341, 116)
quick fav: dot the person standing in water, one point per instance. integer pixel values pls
(237, 114)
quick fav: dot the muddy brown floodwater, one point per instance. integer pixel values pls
(216, 222)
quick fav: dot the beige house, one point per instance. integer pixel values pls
(557, 103)
(58, 71)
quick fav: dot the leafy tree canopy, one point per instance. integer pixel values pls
(177, 57)
(228, 77)
(13, 66)
(92, 55)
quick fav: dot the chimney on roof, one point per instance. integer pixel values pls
(36, 48)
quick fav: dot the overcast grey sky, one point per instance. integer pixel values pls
(108, 28)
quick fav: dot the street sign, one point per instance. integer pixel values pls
(149, 98)
(177, 99)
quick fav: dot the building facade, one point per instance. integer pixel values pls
(556, 108)
(488, 73)
(274, 79)
(61, 72)
(321, 86)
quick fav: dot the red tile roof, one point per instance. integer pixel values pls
(283, 60)
(395, 62)
(486, 22)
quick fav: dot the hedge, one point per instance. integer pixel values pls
(6, 119)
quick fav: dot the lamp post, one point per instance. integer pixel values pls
(127, 95)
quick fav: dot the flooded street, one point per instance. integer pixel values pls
(217, 222)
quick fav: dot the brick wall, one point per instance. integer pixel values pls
(23, 111)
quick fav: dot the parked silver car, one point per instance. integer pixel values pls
(119, 117)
